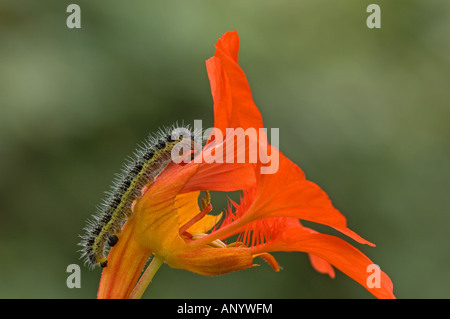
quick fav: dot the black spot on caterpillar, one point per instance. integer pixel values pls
(138, 172)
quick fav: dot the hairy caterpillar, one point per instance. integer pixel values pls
(139, 171)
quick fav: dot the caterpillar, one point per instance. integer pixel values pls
(139, 171)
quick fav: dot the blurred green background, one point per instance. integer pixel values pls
(364, 112)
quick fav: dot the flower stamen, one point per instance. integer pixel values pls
(216, 243)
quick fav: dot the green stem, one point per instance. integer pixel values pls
(147, 277)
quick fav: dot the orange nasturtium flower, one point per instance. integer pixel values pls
(168, 224)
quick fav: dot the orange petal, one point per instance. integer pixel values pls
(229, 45)
(335, 251)
(157, 224)
(225, 177)
(126, 261)
(233, 102)
(187, 206)
(288, 194)
(233, 108)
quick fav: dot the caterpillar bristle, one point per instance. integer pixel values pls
(140, 169)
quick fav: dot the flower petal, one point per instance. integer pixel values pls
(187, 208)
(229, 45)
(233, 108)
(156, 217)
(125, 263)
(233, 102)
(288, 194)
(333, 250)
(221, 177)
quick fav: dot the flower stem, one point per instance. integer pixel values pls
(147, 277)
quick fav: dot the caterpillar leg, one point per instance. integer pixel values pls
(103, 262)
(112, 240)
(98, 259)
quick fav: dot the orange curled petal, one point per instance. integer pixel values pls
(335, 251)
